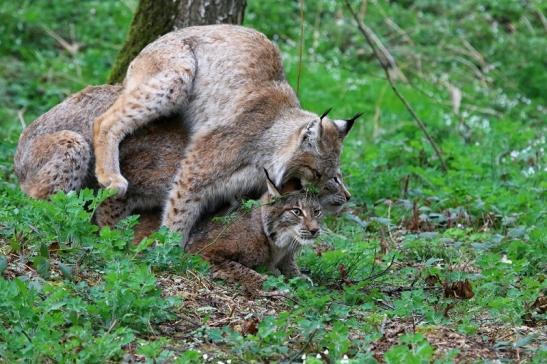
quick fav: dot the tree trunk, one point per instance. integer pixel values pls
(154, 18)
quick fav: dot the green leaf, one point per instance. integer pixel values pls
(66, 271)
(42, 266)
(44, 251)
(3, 263)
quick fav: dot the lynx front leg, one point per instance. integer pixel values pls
(288, 267)
(198, 188)
(148, 94)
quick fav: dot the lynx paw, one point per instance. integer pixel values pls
(115, 182)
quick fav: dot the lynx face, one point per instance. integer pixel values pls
(334, 195)
(292, 220)
(317, 158)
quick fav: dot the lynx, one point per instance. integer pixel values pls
(228, 84)
(54, 154)
(269, 236)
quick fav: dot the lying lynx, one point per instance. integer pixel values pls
(228, 84)
(54, 154)
(268, 236)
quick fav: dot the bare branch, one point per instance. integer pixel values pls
(388, 63)
(300, 47)
(71, 48)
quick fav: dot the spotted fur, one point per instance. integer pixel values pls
(54, 154)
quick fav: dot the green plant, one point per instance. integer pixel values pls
(71, 292)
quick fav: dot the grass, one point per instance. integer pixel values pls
(392, 275)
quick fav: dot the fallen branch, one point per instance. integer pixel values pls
(388, 65)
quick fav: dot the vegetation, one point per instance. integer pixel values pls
(423, 266)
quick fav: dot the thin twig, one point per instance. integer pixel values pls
(20, 115)
(541, 17)
(70, 48)
(386, 66)
(271, 294)
(300, 48)
(391, 291)
(308, 342)
(381, 273)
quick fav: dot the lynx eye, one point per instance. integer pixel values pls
(317, 212)
(296, 211)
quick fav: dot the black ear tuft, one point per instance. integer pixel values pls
(272, 188)
(325, 113)
(351, 121)
(267, 174)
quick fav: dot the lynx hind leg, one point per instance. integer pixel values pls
(56, 162)
(156, 85)
(238, 273)
(111, 211)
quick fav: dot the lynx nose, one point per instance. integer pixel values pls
(314, 231)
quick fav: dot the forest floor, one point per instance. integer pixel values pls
(422, 266)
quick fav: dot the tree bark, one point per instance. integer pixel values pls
(155, 18)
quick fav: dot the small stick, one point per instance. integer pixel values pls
(299, 354)
(300, 48)
(70, 48)
(20, 115)
(276, 294)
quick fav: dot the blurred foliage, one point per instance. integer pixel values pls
(484, 221)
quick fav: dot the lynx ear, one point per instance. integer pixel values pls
(271, 186)
(325, 113)
(344, 126)
(311, 134)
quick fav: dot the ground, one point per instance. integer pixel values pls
(422, 266)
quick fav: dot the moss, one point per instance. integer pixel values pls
(152, 19)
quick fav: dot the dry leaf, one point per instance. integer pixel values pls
(432, 279)
(321, 247)
(460, 289)
(533, 315)
(250, 326)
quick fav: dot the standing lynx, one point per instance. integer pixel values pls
(54, 154)
(229, 85)
(270, 235)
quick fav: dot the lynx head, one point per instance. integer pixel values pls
(316, 157)
(334, 195)
(291, 219)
